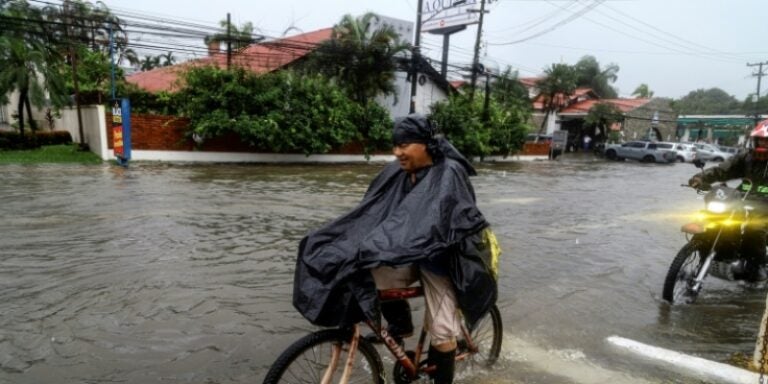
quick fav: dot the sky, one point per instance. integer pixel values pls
(673, 46)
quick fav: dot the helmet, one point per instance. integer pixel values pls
(759, 138)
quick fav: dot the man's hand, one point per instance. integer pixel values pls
(696, 182)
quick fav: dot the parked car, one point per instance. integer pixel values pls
(709, 152)
(732, 150)
(644, 151)
(686, 152)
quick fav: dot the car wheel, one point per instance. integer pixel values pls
(681, 159)
(610, 154)
(648, 159)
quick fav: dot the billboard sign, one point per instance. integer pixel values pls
(559, 139)
(438, 15)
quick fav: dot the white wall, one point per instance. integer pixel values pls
(426, 95)
(13, 106)
(94, 127)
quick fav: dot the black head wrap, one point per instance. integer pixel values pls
(413, 128)
(416, 128)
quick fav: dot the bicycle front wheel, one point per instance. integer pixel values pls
(323, 354)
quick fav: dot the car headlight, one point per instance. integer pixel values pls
(716, 207)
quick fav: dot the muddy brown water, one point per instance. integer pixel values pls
(183, 273)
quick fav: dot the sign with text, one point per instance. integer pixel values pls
(559, 139)
(117, 130)
(437, 15)
(121, 130)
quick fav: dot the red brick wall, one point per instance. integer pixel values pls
(167, 133)
(535, 149)
(155, 132)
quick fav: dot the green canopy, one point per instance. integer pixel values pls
(735, 122)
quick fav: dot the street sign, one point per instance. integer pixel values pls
(438, 15)
(559, 139)
(121, 130)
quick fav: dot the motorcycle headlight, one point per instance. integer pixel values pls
(716, 207)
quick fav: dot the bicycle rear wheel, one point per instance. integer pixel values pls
(308, 359)
(487, 335)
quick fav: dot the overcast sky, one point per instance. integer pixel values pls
(675, 46)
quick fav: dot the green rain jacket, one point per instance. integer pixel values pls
(742, 166)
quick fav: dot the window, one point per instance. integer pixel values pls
(3, 115)
(664, 146)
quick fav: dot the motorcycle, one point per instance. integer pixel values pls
(714, 243)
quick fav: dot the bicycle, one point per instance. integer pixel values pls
(317, 357)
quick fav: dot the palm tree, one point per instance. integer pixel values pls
(240, 37)
(590, 74)
(30, 62)
(361, 59)
(149, 63)
(168, 59)
(509, 91)
(643, 92)
(601, 116)
(555, 89)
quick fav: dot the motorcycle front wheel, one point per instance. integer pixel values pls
(682, 274)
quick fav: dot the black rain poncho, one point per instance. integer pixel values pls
(438, 218)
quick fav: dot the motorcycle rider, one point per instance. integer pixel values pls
(753, 165)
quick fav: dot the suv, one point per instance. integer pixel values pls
(711, 152)
(686, 152)
(645, 151)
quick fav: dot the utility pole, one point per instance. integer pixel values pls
(415, 59)
(477, 51)
(229, 43)
(73, 59)
(759, 76)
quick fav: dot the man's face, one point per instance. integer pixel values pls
(412, 156)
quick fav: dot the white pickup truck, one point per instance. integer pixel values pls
(645, 151)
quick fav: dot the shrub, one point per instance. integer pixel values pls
(13, 140)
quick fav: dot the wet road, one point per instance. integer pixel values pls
(183, 274)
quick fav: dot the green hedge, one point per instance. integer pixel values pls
(13, 140)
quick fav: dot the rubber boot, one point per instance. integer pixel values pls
(445, 365)
(753, 246)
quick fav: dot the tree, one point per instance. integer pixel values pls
(601, 116)
(362, 60)
(643, 92)
(508, 91)
(239, 37)
(280, 111)
(149, 63)
(168, 59)
(555, 88)
(707, 102)
(590, 74)
(29, 60)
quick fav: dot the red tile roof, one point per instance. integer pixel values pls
(259, 58)
(578, 95)
(582, 108)
(529, 82)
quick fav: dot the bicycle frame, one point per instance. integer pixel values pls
(409, 364)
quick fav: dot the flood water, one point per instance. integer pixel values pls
(183, 273)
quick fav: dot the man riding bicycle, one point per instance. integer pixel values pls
(418, 219)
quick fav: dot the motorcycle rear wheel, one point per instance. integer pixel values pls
(682, 273)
